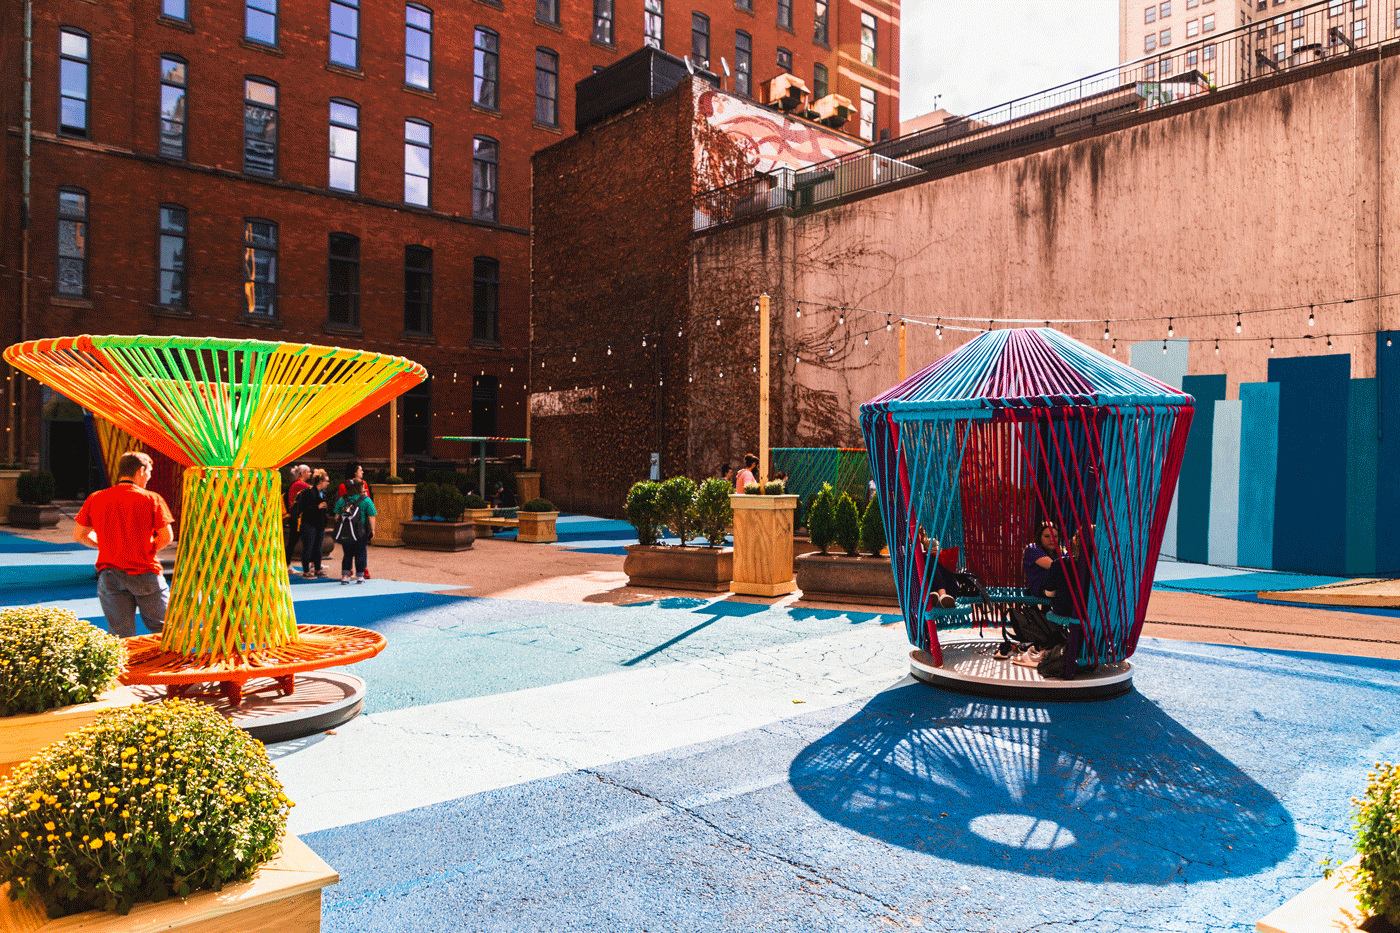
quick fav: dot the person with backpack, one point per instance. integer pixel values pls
(355, 471)
(354, 526)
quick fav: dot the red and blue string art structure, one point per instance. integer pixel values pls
(1016, 427)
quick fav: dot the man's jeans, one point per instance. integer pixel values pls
(121, 593)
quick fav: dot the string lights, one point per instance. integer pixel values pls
(1311, 321)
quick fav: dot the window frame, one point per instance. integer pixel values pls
(425, 299)
(821, 22)
(481, 58)
(490, 287)
(86, 62)
(352, 266)
(745, 5)
(1207, 23)
(874, 112)
(183, 234)
(869, 52)
(250, 271)
(331, 33)
(554, 7)
(494, 174)
(83, 236)
(428, 161)
(823, 84)
(332, 125)
(1149, 15)
(784, 60)
(184, 121)
(604, 14)
(743, 66)
(784, 7)
(543, 51)
(408, 26)
(165, 12)
(275, 108)
(698, 19)
(656, 17)
(274, 13)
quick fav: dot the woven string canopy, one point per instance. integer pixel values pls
(1022, 426)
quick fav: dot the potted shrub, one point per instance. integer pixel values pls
(57, 673)
(9, 478)
(848, 577)
(706, 510)
(393, 505)
(35, 508)
(537, 519)
(151, 803)
(763, 541)
(477, 510)
(438, 524)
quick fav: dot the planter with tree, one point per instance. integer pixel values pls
(393, 505)
(848, 577)
(9, 478)
(35, 509)
(679, 505)
(763, 541)
(438, 524)
(537, 519)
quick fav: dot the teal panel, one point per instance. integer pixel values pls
(1313, 401)
(1225, 485)
(1388, 443)
(1193, 490)
(1169, 367)
(1363, 449)
(1258, 472)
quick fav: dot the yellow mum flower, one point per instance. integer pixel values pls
(96, 843)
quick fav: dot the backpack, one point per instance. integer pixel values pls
(349, 524)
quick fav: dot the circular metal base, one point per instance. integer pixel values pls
(317, 646)
(969, 667)
(320, 701)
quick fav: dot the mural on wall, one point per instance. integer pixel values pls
(1297, 474)
(760, 140)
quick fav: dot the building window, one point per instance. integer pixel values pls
(343, 280)
(484, 178)
(417, 162)
(418, 46)
(345, 33)
(1166, 8)
(1397, 19)
(1280, 51)
(74, 82)
(819, 28)
(1149, 15)
(1300, 20)
(418, 290)
(1165, 37)
(1149, 42)
(743, 63)
(1208, 23)
(1166, 67)
(172, 107)
(487, 69)
(746, 5)
(867, 113)
(654, 23)
(546, 87)
(1192, 4)
(1151, 70)
(700, 39)
(418, 419)
(784, 60)
(1358, 4)
(1208, 52)
(603, 21)
(785, 15)
(1193, 58)
(486, 318)
(1298, 43)
(1337, 8)
(345, 145)
(867, 39)
(260, 21)
(819, 84)
(1193, 29)
(343, 444)
(1279, 24)
(260, 268)
(174, 9)
(485, 407)
(259, 127)
(72, 278)
(1358, 29)
(170, 282)
(547, 11)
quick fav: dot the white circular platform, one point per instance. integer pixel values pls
(970, 667)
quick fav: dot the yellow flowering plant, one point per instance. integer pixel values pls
(1376, 818)
(50, 658)
(150, 801)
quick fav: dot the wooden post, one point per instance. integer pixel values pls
(763, 355)
(394, 437)
(903, 353)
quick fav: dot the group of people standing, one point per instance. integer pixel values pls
(311, 508)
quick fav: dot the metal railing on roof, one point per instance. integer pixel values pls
(1206, 62)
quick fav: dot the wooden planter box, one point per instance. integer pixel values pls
(478, 516)
(24, 736)
(9, 480)
(283, 897)
(763, 545)
(527, 485)
(439, 536)
(537, 527)
(393, 505)
(709, 569)
(34, 516)
(836, 578)
(1329, 905)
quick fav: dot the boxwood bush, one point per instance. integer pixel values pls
(872, 528)
(537, 505)
(821, 520)
(643, 510)
(846, 528)
(713, 512)
(35, 487)
(451, 503)
(676, 500)
(51, 658)
(425, 500)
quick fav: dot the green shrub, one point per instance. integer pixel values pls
(677, 504)
(643, 511)
(35, 487)
(451, 503)
(821, 520)
(713, 512)
(51, 658)
(753, 489)
(846, 529)
(375, 477)
(393, 480)
(537, 505)
(774, 487)
(150, 801)
(425, 499)
(1377, 822)
(473, 501)
(872, 527)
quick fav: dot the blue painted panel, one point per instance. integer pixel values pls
(1169, 367)
(1193, 490)
(1362, 427)
(1314, 399)
(1388, 445)
(1225, 485)
(1258, 472)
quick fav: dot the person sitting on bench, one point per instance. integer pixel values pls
(942, 581)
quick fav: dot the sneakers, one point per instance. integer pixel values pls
(366, 573)
(947, 601)
(1004, 651)
(361, 578)
(308, 575)
(345, 579)
(1030, 658)
(321, 573)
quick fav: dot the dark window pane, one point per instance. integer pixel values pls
(344, 280)
(603, 21)
(484, 179)
(546, 87)
(418, 289)
(485, 300)
(547, 11)
(487, 69)
(175, 9)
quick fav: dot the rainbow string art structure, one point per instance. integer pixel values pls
(1018, 426)
(230, 412)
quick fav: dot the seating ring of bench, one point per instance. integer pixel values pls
(969, 667)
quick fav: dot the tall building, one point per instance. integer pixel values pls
(337, 171)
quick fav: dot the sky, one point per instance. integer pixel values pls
(980, 53)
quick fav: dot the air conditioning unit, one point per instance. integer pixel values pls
(787, 92)
(833, 110)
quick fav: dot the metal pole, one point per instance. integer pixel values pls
(903, 353)
(394, 437)
(15, 429)
(481, 489)
(763, 354)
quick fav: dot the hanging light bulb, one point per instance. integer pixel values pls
(610, 346)
(797, 357)
(1171, 331)
(644, 341)
(833, 350)
(629, 385)
(541, 364)
(1310, 316)
(842, 319)
(1115, 346)
(867, 340)
(1217, 346)
(1329, 341)
(575, 357)
(887, 324)
(1164, 348)
(1387, 341)
(755, 367)
(1105, 330)
(717, 320)
(679, 331)
(1271, 345)
(1238, 325)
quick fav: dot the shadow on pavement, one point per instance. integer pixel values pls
(1110, 791)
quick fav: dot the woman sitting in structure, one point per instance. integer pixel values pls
(1067, 584)
(942, 582)
(1040, 554)
(1033, 632)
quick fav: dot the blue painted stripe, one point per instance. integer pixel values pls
(1258, 472)
(1312, 468)
(1363, 426)
(1193, 492)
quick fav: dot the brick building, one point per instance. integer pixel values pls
(336, 172)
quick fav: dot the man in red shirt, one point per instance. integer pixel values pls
(128, 524)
